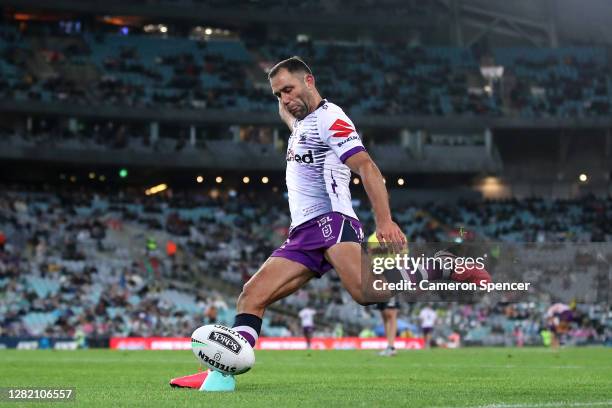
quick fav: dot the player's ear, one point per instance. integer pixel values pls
(309, 80)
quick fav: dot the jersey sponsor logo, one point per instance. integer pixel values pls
(306, 158)
(341, 128)
(225, 341)
(354, 137)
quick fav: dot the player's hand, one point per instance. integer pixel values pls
(390, 235)
(287, 117)
(283, 112)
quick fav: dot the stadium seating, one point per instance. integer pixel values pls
(574, 81)
(386, 79)
(97, 273)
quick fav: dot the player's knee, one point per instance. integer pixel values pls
(359, 297)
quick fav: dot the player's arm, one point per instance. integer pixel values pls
(373, 182)
(285, 115)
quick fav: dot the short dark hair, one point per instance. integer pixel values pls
(293, 64)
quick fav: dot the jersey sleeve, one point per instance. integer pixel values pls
(338, 132)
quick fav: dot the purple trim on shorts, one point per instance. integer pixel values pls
(351, 152)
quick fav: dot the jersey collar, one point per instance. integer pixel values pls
(323, 102)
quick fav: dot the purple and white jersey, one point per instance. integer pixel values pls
(317, 178)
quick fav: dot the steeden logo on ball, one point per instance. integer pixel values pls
(215, 364)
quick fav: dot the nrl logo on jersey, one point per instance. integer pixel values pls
(302, 138)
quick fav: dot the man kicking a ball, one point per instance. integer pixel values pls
(325, 233)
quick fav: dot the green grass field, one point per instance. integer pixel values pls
(476, 377)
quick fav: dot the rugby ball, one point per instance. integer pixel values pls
(222, 349)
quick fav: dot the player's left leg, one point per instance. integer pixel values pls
(390, 324)
(385, 319)
(391, 328)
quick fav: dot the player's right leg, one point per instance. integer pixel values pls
(277, 278)
(427, 336)
(384, 316)
(392, 328)
(308, 335)
(390, 324)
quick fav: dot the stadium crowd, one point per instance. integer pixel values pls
(66, 266)
(42, 63)
(97, 264)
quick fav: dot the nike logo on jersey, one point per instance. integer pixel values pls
(341, 128)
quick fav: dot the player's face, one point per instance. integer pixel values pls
(294, 91)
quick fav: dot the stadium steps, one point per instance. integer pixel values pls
(36, 323)
(255, 72)
(181, 300)
(36, 62)
(42, 286)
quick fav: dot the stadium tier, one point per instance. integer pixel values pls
(139, 70)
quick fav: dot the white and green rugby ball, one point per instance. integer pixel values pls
(222, 349)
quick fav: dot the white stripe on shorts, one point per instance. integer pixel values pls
(341, 229)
